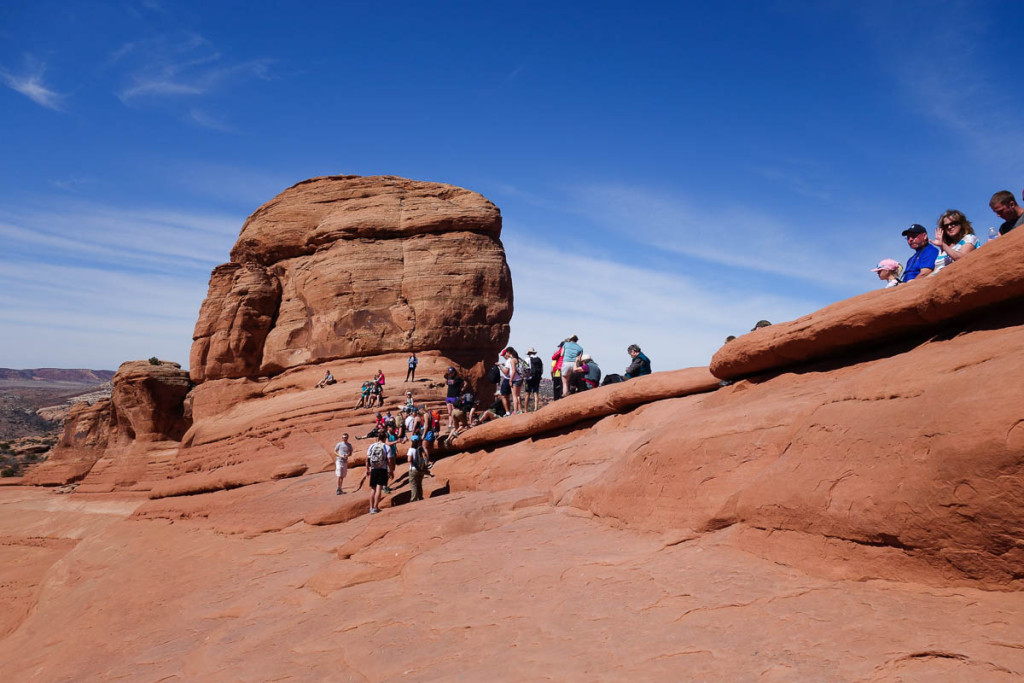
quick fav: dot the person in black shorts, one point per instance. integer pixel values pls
(533, 383)
(377, 460)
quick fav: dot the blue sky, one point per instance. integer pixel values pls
(668, 173)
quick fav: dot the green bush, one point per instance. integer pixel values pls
(8, 472)
(154, 361)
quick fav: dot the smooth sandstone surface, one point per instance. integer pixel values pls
(853, 510)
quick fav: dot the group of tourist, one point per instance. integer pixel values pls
(954, 238)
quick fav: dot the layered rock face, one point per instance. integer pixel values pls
(345, 267)
(145, 410)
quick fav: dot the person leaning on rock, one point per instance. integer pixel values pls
(922, 262)
(641, 364)
(1005, 206)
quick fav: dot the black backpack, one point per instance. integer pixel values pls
(494, 375)
(536, 368)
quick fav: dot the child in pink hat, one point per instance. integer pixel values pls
(889, 270)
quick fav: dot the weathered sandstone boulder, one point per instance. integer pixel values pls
(145, 411)
(345, 267)
(986, 277)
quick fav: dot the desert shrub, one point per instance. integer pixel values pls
(8, 472)
(154, 361)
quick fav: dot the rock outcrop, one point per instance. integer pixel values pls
(990, 277)
(347, 267)
(145, 411)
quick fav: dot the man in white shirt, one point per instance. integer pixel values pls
(341, 452)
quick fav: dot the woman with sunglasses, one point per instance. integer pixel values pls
(954, 237)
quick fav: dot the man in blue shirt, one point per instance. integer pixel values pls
(923, 261)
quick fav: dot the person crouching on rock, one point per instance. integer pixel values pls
(342, 450)
(377, 470)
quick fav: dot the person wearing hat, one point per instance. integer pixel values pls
(922, 262)
(889, 270)
(533, 381)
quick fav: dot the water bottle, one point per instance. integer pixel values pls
(993, 233)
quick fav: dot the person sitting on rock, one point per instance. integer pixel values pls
(590, 375)
(1005, 206)
(954, 238)
(496, 410)
(888, 270)
(328, 379)
(376, 394)
(378, 428)
(640, 365)
(922, 262)
(410, 374)
(364, 396)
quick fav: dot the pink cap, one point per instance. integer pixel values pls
(887, 264)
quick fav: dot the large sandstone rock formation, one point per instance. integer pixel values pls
(144, 413)
(345, 267)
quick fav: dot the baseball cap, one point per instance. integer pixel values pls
(915, 229)
(887, 264)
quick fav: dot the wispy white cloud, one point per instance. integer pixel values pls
(678, 320)
(29, 82)
(87, 284)
(738, 237)
(207, 120)
(188, 67)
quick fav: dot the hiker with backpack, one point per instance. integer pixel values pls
(377, 469)
(534, 372)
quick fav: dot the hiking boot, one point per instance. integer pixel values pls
(338, 492)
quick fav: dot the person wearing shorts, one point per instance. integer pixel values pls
(341, 452)
(454, 390)
(377, 471)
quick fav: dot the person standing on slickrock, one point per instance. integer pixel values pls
(342, 450)
(416, 469)
(533, 382)
(570, 352)
(453, 384)
(410, 374)
(556, 373)
(377, 469)
(1005, 206)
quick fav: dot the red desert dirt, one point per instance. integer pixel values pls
(849, 507)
